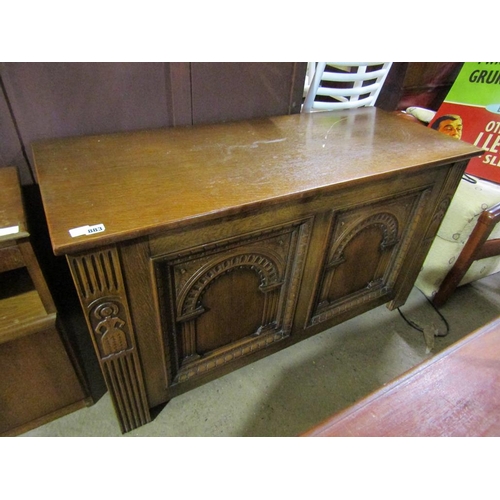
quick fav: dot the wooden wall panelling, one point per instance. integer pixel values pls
(239, 91)
(426, 84)
(11, 148)
(392, 90)
(178, 81)
(65, 99)
(49, 100)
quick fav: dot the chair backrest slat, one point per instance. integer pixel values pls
(343, 85)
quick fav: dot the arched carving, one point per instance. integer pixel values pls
(385, 221)
(266, 266)
(274, 258)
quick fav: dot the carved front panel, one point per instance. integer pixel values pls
(364, 253)
(223, 301)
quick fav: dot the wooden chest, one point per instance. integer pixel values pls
(195, 250)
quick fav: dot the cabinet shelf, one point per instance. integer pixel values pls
(22, 315)
(38, 381)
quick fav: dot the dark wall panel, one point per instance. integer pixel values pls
(426, 84)
(11, 149)
(49, 100)
(63, 99)
(235, 91)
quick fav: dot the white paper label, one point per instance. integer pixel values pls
(86, 230)
(4, 231)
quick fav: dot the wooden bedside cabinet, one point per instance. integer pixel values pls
(38, 381)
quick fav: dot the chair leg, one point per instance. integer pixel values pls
(472, 251)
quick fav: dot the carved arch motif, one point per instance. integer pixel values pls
(385, 221)
(275, 258)
(268, 267)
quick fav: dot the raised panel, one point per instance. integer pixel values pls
(230, 320)
(226, 300)
(363, 254)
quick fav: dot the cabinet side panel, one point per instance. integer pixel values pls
(431, 217)
(37, 379)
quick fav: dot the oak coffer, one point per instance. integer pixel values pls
(195, 250)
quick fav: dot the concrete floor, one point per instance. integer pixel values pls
(288, 392)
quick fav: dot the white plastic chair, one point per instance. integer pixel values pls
(311, 68)
(345, 85)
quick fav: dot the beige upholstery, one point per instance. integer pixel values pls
(466, 206)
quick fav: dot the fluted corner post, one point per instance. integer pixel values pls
(99, 282)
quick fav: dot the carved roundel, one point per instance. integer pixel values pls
(266, 266)
(106, 310)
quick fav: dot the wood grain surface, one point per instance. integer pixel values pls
(145, 181)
